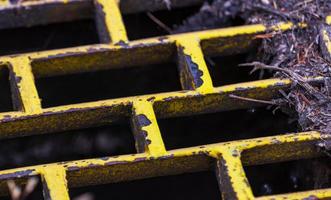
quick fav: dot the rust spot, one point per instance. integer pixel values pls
(241, 88)
(162, 38)
(6, 117)
(148, 142)
(116, 162)
(143, 133)
(140, 159)
(235, 153)
(97, 49)
(195, 71)
(18, 79)
(140, 45)
(151, 99)
(46, 190)
(73, 168)
(16, 174)
(280, 84)
(64, 55)
(246, 182)
(275, 141)
(104, 158)
(311, 197)
(122, 44)
(203, 152)
(167, 156)
(143, 120)
(92, 165)
(168, 99)
(225, 180)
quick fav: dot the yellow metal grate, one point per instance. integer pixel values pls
(198, 95)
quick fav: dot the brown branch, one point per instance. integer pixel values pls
(292, 75)
(159, 22)
(252, 100)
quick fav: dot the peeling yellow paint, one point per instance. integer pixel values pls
(54, 180)
(22, 71)
(33, 119)
(154, 146)
(113, 20)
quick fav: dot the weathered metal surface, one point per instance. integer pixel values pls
(198, 96)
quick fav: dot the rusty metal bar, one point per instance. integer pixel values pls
(199, 96)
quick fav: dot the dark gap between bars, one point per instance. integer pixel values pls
(201, 129)
(224, 68)
(290, 176)
(140, 25)
(47, 37)
(108, 84)
(110, 140)
(193, 186)
(36, 194)
(6, 103)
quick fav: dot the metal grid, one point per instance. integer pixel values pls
(198, 96)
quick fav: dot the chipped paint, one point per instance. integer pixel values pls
(198, 96)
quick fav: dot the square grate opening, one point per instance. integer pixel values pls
(165, 22)
(141, 25)
(6, 103)
(195, 186)
(47, 37)
(225, 69)
(108, 84)
(115, 139)
(290, 176)
(187, 131)
(37, 192)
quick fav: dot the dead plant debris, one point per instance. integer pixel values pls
(298, 54)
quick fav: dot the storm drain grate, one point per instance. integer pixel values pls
(189, 88)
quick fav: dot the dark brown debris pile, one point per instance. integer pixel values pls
(295, 54)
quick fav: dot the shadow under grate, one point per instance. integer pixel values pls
(193, 186)
(47, 37)
(5, 93)
(179, 132)
(115, 139)
(108, 84)
(290, 176)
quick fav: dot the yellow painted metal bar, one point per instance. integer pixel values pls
(54, 183)
(230, 172)
(215, 151)
(113, 20)
(22, 70)
(228, 154)
(191, 47)
(144, 113)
